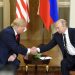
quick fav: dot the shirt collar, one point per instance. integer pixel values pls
(66, 31)
(15, 32)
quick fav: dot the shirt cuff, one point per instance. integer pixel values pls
(28, 51)
(38, 49)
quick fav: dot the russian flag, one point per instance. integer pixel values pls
(48, 11)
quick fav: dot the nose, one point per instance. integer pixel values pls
(57, 30)
(25, 29)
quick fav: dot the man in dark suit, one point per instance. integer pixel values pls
(66, 44)
(10, 45)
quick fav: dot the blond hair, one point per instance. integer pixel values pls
(19, 22)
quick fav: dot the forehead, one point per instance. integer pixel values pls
(23, 24)
(58, 24)
(20, 21)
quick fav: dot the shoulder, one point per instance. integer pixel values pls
(7, 33)
(71, 29)
(56, 36)
(8, 30)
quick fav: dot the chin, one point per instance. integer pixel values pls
(59, 32)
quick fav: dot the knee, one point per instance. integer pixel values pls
(2, 66)
(16, 63)
(64, 63)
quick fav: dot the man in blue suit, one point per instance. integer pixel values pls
(10, 45)
(66, 44)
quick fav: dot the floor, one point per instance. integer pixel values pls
(40, 71)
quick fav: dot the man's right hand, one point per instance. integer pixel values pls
(34, 50)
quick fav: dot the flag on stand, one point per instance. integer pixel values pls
(48, 11)
(22, 9)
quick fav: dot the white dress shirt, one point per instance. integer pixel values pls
(70, 47)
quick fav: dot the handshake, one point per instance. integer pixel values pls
(34, 50)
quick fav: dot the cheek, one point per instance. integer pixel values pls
(21, 30)
(61, 29)
(58, 30)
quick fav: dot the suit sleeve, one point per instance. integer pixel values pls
(11, 43)
(48, 46)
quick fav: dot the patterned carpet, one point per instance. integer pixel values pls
(40, 71)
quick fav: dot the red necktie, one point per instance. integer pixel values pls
(17, 37)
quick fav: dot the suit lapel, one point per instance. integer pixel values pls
(11, 29)
(61, 38)
(70, 33)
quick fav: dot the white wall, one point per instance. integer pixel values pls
(72, 13)
(6, 13)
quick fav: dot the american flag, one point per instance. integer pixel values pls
(22, 9)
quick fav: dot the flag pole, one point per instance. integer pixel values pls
(42, 35)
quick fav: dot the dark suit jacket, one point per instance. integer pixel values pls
(58, 39)
(9, 44)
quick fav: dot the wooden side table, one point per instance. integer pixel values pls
(36, 62)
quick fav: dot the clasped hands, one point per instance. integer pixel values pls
(33, 50)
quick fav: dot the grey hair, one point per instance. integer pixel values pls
(63, 21)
